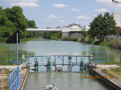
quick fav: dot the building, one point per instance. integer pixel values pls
(117, 18)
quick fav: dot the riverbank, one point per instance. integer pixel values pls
(22, 39)
(108, 80)
(2, 49)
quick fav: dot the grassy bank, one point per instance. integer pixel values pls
(113, 43)
(2, 48)
(115, 72)
(27, 39)
(4, 39)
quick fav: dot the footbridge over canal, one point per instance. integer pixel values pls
(66, 31)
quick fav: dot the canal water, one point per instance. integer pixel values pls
(64, 81)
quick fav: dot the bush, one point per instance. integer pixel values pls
(73, 39)
(105, 43)
(86, 39)
(84, 33)
(70, 39)
(114, 43)
(82, 39)
(91, 40)
(65, 38)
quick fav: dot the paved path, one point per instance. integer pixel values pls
(106, 66)
(22, 74)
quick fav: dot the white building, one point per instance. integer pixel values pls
(117, 18)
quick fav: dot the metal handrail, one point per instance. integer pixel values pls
(14, 79)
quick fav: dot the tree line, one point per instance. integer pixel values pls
(12, 19)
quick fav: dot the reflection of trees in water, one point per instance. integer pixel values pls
(110, 54)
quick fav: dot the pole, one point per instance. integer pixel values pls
(17, 47)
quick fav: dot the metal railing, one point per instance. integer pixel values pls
(14, 79)
(14, 57)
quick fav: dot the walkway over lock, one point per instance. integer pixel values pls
(65, 60)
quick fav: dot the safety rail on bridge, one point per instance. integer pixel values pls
(14, 79)
(71, 60)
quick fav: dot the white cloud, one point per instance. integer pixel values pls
(21, 0)
(75, 9)
(52, 16)
(23, 4)
(101, 10)
(60, 5)
(82, 17)
(33, 13)
(61, 21)
(95, 15)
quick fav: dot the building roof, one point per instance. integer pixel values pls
(71, 25)
(119, 29)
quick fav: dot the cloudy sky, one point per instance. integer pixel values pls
(53, 13)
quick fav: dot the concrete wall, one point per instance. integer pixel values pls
(76, 34)
(65, 34)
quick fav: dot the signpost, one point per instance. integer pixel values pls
(15, 39)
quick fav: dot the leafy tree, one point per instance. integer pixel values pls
(48, 27)
(84, 32)
(102, 26)
(31, 24)
(6, 26)
(58, 27)
(16, 16)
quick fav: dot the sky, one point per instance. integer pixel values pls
(53, 13)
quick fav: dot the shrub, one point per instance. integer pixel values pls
(114, 43)
(73, 38)
(65, 38)
(86, 39)
(91, 40)
(82, 39)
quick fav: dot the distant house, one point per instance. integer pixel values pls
(72, 30)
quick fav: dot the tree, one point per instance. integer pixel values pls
(58, 27)
(102, 26)
(6, 26)
(84, 32)
(31, 24)
(16, 16)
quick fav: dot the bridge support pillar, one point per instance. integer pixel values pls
(65, 34)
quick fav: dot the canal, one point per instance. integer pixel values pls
(64, 81)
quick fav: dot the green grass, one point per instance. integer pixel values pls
(3, 39)
(27, 39)
(9, 64)
(2, 48)
(104, 43)
(106, 72)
